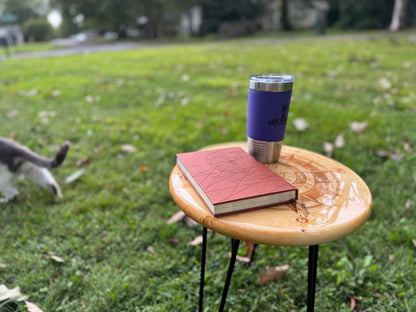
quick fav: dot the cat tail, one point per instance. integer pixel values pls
(49, 163)
(61, 154)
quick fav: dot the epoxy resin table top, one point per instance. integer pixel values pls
(337, 203)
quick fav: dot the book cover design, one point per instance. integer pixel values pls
(231, 174)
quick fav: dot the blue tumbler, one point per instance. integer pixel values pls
(267, 111)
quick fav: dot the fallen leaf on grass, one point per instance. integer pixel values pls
(11, 294)
(328, 149)
(180, 215)
(75, 176)
(185, 78)
(339, 141)
(233, 90)
(396, 156)
(300, 124)
(32, 92)
(407, 147)
(55, 258)
(128, 148)
(98, 149)
(190, 222)
(176, 217)
(92, 99)
(273, 273)
(240, 258)
(143, 168)
(13, 113)
(84, 161)
(408, 204)
(384, 83)
(358, 127)
(353, 301)
(31, 307)
(392, 154)
(151, 250)
(196, 241)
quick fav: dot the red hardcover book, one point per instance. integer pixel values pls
(230, 180)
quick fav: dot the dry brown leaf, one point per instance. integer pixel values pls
(339, 141)
(176, 217)
(353, 301)
(31, 307)
(384, 83)
(300, 124)
(240, 258)
(358, 127)
(196, 241)
(143, 169)
(54, 257)
(328, 149)
(98, 149)
(233, 90)
(128, 148)
(381, 153)
(396, 156)
(84, 161)
(407, 147)
(273, 273)
(408, 204)
(189, 222)
(250, 248)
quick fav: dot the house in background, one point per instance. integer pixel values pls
(302, 15)
(11, 35)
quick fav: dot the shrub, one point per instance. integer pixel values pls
(37, 29)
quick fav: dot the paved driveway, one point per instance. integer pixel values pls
(83, 49)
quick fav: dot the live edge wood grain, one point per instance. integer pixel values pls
(337, 203)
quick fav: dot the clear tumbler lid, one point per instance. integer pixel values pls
(271, 82)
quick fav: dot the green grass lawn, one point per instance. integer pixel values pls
(120, 254)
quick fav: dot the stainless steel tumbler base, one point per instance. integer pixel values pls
(265, 152)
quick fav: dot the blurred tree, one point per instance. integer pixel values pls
(99, 15)
(400, 15)
(365, 14)
(216, 12)
(37, 29)
(118, 16)
(22, 9)
(284, 16)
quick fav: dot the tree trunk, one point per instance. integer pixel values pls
(284, 16)
(400, 14)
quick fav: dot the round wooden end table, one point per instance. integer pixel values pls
(336, 203)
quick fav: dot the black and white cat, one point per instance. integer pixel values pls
(17, 160)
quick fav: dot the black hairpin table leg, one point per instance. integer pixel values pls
(235, 244)
(313, 264)
(203, 258)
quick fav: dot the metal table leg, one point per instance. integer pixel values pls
(235, 244)
(203, 258)
(312, 268)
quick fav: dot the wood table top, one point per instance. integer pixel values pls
(337, 203)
